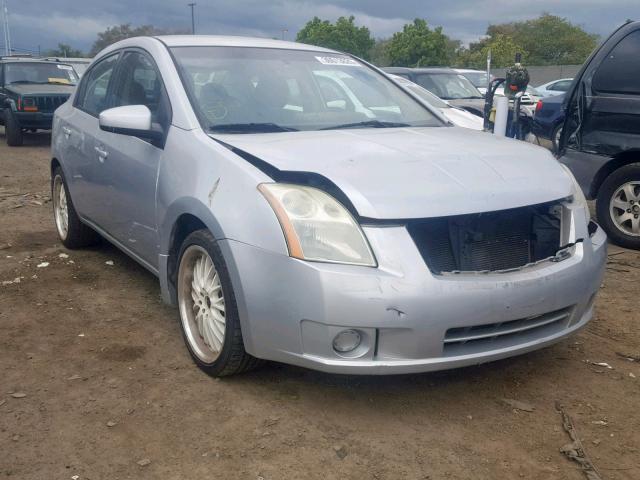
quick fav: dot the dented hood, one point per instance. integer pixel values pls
(402, 173)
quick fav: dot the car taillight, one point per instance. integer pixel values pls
(539, 106)
(29, 104)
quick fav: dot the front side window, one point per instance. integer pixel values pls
(93, 94)
(139, 83)
(620, 71)
(39, 73)
(478, 79)
(236, 89)
(448, 86)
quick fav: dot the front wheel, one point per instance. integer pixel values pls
(618, 206)
(12, 129)
(208, 311)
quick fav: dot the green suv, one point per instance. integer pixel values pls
(30, 91)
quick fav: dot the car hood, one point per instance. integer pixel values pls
(471, 104)
(402, 173)
(462, 118)
(40, 89)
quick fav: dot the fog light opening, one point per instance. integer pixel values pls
(347, 341)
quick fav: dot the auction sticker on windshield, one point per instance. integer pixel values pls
(346, 61)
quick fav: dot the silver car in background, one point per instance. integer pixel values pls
(298, 206)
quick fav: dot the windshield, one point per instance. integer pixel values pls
(245, 90)
(478, 79)
(448, 86)
(33, 72)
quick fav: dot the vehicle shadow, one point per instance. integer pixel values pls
(31, 139)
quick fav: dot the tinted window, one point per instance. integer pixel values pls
(138, 83)
(620, 71)
(561, 86)
(96, 85)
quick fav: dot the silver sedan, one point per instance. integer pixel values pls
(298, 206)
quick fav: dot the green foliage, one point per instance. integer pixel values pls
(548, 40)
(120, 32)
(64, 50)
(343, 36)
(503, 51)
(419, 46)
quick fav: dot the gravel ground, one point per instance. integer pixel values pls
(96, 383)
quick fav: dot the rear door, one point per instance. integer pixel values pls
(130, 168)
(79, 128)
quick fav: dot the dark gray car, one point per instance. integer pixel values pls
(447, 84)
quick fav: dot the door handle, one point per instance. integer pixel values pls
(102, 154)
(66, 131)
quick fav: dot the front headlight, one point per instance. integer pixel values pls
(577, 195)
(316, 226)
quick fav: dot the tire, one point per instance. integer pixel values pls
(621, 222)
(555, 137)
(76, 234)
(207, 309)
(12, 129)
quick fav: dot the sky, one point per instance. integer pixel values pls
(44, 23)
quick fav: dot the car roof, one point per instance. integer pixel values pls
(420, 70)
(235, 41)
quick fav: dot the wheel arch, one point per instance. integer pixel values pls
(618, 161)
(183, 217)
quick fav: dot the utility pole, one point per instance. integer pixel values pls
(5, 23)
(284, 33)
(193, 18)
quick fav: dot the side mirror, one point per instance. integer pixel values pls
(133, 120)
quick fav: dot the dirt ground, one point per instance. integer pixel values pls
(106, 389)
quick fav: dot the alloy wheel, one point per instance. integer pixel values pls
(60, 207)
(624, 208)
(201, 303)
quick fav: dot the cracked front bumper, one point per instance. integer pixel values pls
(290, 310)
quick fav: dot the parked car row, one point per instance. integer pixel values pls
(298, 205)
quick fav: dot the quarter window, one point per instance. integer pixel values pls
(96, 86)
(620, 71)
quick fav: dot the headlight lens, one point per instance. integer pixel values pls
(316, 226)
(578, 195)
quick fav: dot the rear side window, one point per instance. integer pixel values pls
(93, 94)
(620, 71)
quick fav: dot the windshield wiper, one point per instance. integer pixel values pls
(251, 128)
(23, 81)
(368, 123)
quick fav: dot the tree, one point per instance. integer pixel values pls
(64, 50)
(379, 54)
(419, 46)
(344, 36)
(503, 52)
(120, 32)
(548, 40)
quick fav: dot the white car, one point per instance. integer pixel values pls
(557, 87)
(458, 116)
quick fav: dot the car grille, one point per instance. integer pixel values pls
(49, 103)
(463, 340)
(492, 241)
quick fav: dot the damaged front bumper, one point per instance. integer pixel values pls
(410, 320)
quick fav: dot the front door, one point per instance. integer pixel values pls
(131, 164)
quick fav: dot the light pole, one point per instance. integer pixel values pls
(7, 34)
(193, 20)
